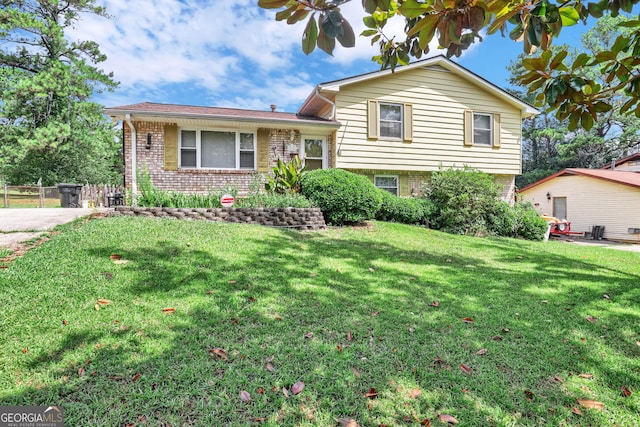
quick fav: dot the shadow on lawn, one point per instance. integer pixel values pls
(275, 290)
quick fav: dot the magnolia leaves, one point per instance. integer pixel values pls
(332, 26)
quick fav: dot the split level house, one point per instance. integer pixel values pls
(608, 198)
(394, 127)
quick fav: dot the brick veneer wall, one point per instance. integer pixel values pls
(299, 218)
(201, 181)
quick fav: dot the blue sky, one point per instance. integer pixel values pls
(234, 54)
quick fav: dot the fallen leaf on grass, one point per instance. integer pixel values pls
(466, 369)
(591, 404)
(24, 350)
(339, 347)
(222, 354)
(468, 320)
(625, 391)
(435, 304)
(576, 411)
(269, 367)
(411, 330)
(277, 317)
(544, 301)
(115, 257)
(606, 296)
(447, 419)
(371, 269)
(103, 301)
(285, 392)
(64, 322)
(591, 319)
(587, 376)
(245, 396)
(251, 299)
(558, 379)
(297, 388)
(81, 372)
(232, 281)
(136, 377)
(372, 393)
(308, 335)
(415, 393)
(107, 275)
(168, 310)
(348, 422)
(349, 336)
(496, 338)
(482, 352)
(529, 394)
(260, 390)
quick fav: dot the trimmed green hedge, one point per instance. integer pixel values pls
(344, 197)
(404, 210)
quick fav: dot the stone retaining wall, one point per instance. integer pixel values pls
(299, 218)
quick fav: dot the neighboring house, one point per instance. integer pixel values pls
(396, 128)
(591, 197)
(631, 163)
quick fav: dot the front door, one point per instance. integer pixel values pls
(560, 207)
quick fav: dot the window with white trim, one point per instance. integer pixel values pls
(217, 149)
(390, 120)
(314, 152)
(387, 182)
(482, 129)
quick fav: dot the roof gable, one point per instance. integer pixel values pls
(627, 178)
(318, 98)
(630, 158)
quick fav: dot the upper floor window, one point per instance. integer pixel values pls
(482, 128)
(390, 120)
(212, 149)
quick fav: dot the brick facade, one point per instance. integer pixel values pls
(283, 144)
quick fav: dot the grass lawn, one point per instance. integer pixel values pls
(369, 319)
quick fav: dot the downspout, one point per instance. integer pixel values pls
(134, 166)
(330, 102)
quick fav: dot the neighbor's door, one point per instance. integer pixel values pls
(560, 207)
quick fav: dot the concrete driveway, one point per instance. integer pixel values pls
(19, 225)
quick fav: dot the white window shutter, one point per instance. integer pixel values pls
(408, 122)
(372, 119)
(496, 130)
(468, 128)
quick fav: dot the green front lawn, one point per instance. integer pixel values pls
(374, 311)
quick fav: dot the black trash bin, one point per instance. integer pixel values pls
(69, 195)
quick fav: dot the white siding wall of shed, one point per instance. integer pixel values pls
(592, 202)
(439, 100)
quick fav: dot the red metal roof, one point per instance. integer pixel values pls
(213, 112)
(619, 177)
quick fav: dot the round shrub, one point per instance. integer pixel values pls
(531, 225)
(343, 197)
(403, 210)
(502, 219)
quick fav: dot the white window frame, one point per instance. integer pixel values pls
(473, 130)
(395, 104)
(325, 157)
(397, 178)
(198, 148)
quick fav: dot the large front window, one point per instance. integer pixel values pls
(217, 149)
(390, 120)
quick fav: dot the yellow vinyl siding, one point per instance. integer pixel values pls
(590, 202)
(170, 147)
(438, 101)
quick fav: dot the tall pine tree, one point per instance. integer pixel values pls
(49, 128)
